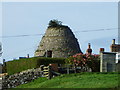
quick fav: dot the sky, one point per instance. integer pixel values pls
(30, 18)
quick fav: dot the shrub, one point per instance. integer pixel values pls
(85, 60)
(55, 23)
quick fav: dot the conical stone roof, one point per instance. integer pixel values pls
(60, 41)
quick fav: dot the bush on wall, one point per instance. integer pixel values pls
(55, 23)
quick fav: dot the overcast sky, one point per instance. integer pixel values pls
(33, 17)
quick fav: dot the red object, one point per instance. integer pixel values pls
(54, 67)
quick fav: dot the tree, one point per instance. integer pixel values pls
(54, 23)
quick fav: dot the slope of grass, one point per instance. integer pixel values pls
(79, 80)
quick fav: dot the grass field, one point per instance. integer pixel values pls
(79, 80)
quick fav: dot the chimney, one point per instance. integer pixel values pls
(89, 46)
(113, 41)
(89, 50)
(102, 50)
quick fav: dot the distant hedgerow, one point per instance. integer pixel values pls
(16, 66)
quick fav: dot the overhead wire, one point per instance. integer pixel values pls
(21, 35)
(21, 51)
(97, 30)
(43, 33)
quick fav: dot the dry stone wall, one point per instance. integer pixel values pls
(21, 78)
(60, 40)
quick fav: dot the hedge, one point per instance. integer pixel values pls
(16, 66)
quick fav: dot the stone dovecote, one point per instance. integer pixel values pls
(58, 41)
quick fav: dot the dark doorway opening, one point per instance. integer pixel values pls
(49, 53)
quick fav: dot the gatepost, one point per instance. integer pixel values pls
(47, 72)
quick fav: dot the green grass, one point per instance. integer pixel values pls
(79, 80)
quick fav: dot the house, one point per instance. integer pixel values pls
(109, 61)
